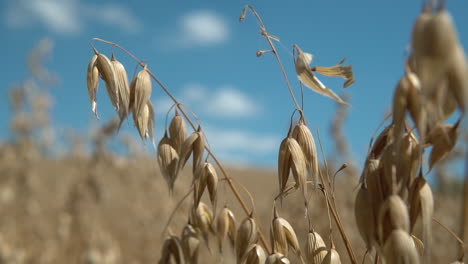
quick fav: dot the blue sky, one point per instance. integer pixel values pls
(207, 59)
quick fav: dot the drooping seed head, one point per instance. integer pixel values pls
(422, 206)
(277, 258)
(298, 167)
(226, 226)
(332, 257)
(190, 244)
(92, 77)
(316, 250)
(168, 161)
(202, 218)
(254, 255)
(212, 183)
(393, 215)
(399, 248)
(140, 91)
(106, 70)
(122, 88)
(364, 215)
(305, 139)
(195, 144)
(145, 122)
(172, 251)
(284, 164)
(178, 132)
(246, 236)
(443, 138)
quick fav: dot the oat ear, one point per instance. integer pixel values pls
(172, 249)
(107, 72)
(226, 226)
(178, 131)
(246, 236)
(255, 255)
(123, 88)
(190, 244)
(305, 139)
(92, 78)
(168, 162)
(140, 91)
(364, 215)
(316, 249)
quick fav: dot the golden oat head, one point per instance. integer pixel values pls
(226, 226)
(106, 70)
(195, 144)
(172, 251)
(123, 88)
(364, 215)
(399, 248)
(178, 131)
(443, 138)
(145, 122)
(332, 257)
(305, 139)
(283, 235)
(206, 176)
(255, 255)
(421, 203)
(140, 91)
(168, 160)
(316, 250)
(190, 244)
(400, 104)
(246, 236)
(393, 214)
(92, 78)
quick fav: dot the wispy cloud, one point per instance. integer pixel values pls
(226, 101)
(200, 28)
(68, 16)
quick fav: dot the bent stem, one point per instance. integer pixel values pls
(184, 113)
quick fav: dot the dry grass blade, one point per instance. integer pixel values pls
(140, 91)
(277, 258)
(168, 161)
(338, 70)
(190, 244)
(172, 251)
(226, 226)
(255, 255)
(246, 236)
(399, 248)
(106, 70)
(316, 249)
(122, 88)
(178, 132)
(422, 205)
(92, 78)
(305, 74)
(304, 137)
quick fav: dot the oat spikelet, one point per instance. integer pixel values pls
(106, 70)
(364, 215)
(316, 249)
(304, 137)
(298, 167)
(399, 248)
(195, 144)
(306, 76)
(202, 218)
(178, 132)
(393, 214)
(172, 251)
(212, 183)
(457, 77)
(332, 256)
(92, 77)
(443, 138)
(145, 122)
(284, 164)
(422, 205)
(151, 123)
(399, 106)
(122, 88)
(190, 244)
(206, 177)
(140, 91)
(168, 162)
(246, 236)
(277, 258)
(226, 226)
(255, 255)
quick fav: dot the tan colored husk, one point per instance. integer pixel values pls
(246, 236)
(106, 70)
(316, 249)
(140, 91)
(298, 167)
(372, 178)
(200, 180)
(172, 251)
(291, 237)
(190, 244)
(407, 162)
(393, 214)
(151, 123)
(457, 77)
(304, 137)
(92, 78)
(145, 122)
(278, 237)
(381, 142)
(178, 132)
(422, 206)
(419, 245)
(212, 183)
(306, 76)
(122, 88)
(399, 106)
(206, 176)
(284, 164)
(255, 255)
(414, 101)
(168, 161)
(332, 256)
(443, 138)
(277, 258)
(364, 215)
(202, 219)
(338, 70)
(226, 226)
(195, 144)
(399, 248)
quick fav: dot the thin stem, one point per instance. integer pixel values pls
(215, 159)
(459, 240)
(274, 50)
(179, 204)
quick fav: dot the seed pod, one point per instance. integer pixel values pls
(457, 77)
(422, 205)
(168, 162)
(364, 215)
(190, 244)
(393, 215)
(140, 91)
(122, 88)
(178, 132)
(408, 162)
(206, 176)
(246, 236)
(399, 248)
(195, 144)
(399, 106)
(172, 251)
(106, 69)
(226, 226)
(443, 138)
(212, 182)
(145, 122)
(332, 256)
(316, 249)
(305, 139)
(92, 77)
(382, 141)
(298, 167)
(284, 164)
(283, 235)
(277, 258)
(202, 219)
(414, 104)
(255, 255)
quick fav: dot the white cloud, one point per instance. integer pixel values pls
(68, 16)
(204, 28)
